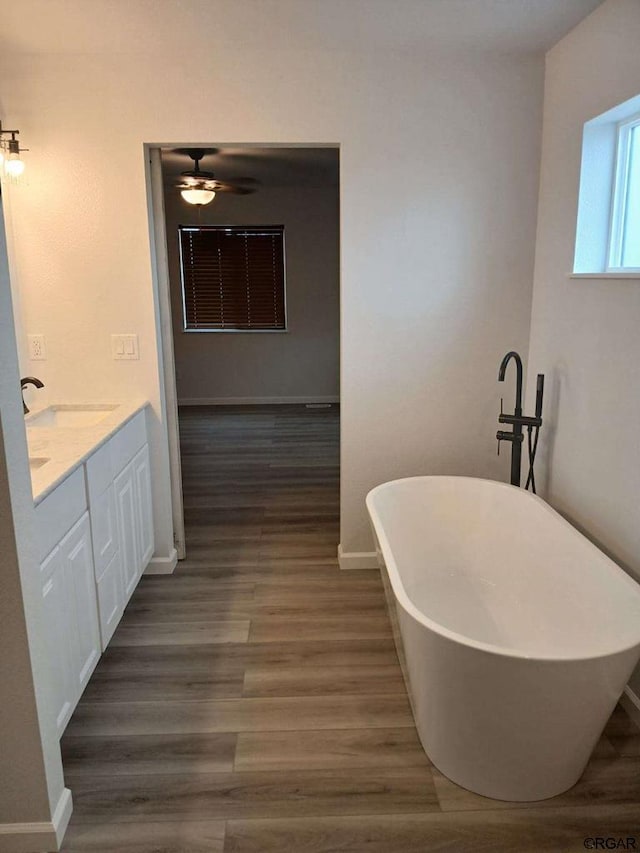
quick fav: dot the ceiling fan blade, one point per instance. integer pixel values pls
(244, 180)
(197, 175)
(195, 182)
(236, 189)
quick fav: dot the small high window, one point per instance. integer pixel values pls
(608, 228)
(233, 278)
(624, 242)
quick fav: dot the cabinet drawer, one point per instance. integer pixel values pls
(104, 529)
(58, 512)
(127, 442)
(99, 474)
(107, 462)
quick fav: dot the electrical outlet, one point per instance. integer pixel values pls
(124, 347)
(37, 348)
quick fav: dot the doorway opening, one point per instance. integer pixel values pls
(249, 314)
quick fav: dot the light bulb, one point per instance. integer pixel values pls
(14, 166)
(198, 196)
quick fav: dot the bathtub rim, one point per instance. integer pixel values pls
(405, 602)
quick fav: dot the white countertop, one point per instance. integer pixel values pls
(66, 448)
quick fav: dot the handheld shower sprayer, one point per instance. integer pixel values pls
(532, 443)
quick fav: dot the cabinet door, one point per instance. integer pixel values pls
(77, 555)
(55, 615)
(110, 599)
(144, 507)
(126, 512)
(104, 529)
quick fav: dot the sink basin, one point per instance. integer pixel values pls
(36, 462)
(70, 416)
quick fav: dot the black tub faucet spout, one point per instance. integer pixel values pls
(501, 373)
(518, 420)
(516, 435)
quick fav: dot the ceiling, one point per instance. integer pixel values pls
(186, 26)
(275, 167)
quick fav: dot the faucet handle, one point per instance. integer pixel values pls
(501, 404)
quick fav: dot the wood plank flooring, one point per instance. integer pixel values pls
(253, 702)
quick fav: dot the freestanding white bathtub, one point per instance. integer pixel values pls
(516, 635)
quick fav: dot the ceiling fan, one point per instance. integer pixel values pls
(198, 186)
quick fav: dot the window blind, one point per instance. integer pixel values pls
(233, 277)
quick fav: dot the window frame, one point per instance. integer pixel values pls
(230, 227)
(619, 195)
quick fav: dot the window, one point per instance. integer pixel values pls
(608, 226)
(233, 278)
(624, 240)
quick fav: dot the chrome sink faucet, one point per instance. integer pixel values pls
(29, 380)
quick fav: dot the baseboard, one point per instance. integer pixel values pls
(357, 559)
(254, 401)
(38, 837)
(631, 703)
(62, 814)
(162, 565)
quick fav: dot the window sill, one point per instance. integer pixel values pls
(613, 275)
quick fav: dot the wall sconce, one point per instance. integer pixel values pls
(10, 153)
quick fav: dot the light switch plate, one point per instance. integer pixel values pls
(124, 347)
(37, 347)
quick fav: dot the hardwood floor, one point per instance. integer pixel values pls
(253, 702)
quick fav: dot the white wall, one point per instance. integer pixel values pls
(584, 333)
(77, 278)
(439, 174)
(32, 786)
(302, 363)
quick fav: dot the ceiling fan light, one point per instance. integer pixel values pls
(197, 196)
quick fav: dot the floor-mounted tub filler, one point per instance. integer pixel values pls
(516, 635)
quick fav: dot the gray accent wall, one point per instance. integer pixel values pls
(299, 364)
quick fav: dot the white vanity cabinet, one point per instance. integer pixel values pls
(94, 540)
(77, 561)
(144, 506)
(69, 600)
(119, 489)
(127, 511)
(107, 562)
(104, 526)
(111, 600)
(55, 610)
(135, 517)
